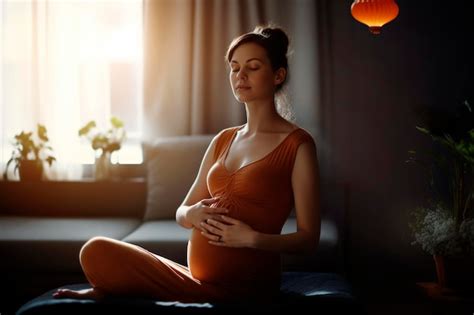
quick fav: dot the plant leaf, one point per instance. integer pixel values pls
(42, 134)
(116, 122)
(85, 130)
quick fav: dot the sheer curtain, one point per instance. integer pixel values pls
(64, 63)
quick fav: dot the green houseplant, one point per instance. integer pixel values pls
(444, 227)
(29, 154)
(104, 143)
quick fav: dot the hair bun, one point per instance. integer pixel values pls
(275, 34)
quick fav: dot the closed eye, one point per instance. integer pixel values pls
(237, 70)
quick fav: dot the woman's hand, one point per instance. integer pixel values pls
(202, 211)
(228, 232)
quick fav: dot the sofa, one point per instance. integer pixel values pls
(44, 224)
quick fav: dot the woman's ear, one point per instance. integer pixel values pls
(280, 76)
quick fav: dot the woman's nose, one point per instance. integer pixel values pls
(241, 74)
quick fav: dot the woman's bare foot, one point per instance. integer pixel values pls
(92, 293)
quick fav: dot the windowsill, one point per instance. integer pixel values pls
(118, 172)
(85, 172)
(109, 180)
(85, 197)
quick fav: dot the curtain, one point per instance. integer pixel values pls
(186, 86)
(62, 64)
(185, 74)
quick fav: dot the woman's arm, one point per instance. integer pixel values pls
(198, 190)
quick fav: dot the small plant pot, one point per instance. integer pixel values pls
(31, 171)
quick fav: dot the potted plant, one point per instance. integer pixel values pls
(29, 155)
(104, 143)
(444, 227)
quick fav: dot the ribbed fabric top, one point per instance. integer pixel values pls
(261, 195)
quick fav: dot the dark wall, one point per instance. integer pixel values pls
(421, 59)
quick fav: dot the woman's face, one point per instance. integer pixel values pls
(251, 74)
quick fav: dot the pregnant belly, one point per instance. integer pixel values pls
(235, 266)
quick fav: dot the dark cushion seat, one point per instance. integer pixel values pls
(304, 292)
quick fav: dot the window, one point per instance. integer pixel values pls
(66, 62)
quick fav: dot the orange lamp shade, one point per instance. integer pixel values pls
(374, 13)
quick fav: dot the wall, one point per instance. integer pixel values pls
(420, 59)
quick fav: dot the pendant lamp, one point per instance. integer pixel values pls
(374, 13)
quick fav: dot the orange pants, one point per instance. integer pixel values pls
(120, 268)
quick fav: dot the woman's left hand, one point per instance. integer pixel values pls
(228, 232)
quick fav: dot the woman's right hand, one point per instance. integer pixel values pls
(202, 211)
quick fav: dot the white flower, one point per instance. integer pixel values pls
(437, 232)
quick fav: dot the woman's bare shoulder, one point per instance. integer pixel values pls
(224, 132)
(229, 129)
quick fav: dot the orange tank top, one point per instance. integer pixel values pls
(259, 194)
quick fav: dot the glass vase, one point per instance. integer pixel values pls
(103, 167)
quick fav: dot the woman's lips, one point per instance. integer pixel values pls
(242, 88)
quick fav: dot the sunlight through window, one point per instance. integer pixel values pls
(64, 63)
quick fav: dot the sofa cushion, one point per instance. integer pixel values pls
(172, 164)
(168, 239)
(301, 292)
(52, 244)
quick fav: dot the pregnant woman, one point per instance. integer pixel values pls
(250, 178)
